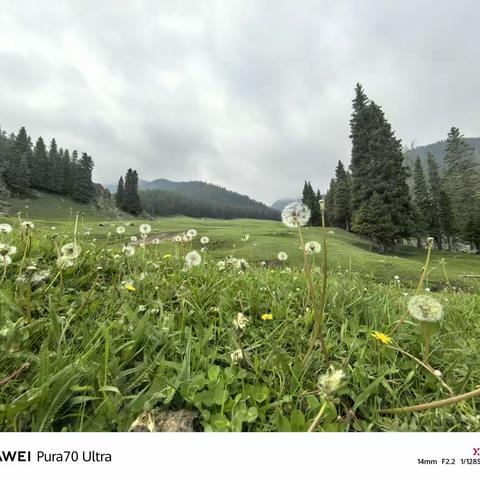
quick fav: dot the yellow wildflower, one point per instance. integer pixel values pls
(167, 255)
(130, 287)
(381, 337)
(267, 316)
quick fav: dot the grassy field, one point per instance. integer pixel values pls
(113, 338)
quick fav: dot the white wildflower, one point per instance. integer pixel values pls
(240, 321)
(236, 356)
(425, 308)
(192, 233)
(282, 256)
(193, 259)
(133, 238)
(221, 265)
(331, 381)
(145, 228)
(204, 240)
(27, 225)
(312, 247)
(120, 230)
(128, 250)
(71, 250)
(295, 215)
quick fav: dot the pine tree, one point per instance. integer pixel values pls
(67, 172)
(131, 199)
(462, 180)
(51, 167)
(83, 187)
(119, 197)
(359, 134)
(343, 198)
(18, 175)
(422, 201)
(377, 169)
(39, 170)
(330, 207)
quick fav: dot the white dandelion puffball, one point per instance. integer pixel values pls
(133, 238)
(27, 225)
(221, 265)
(295, 215)
(282, 256)
(39, 277)
(178, 238)
(331, 380)
(120, 230)
(312, 247)
(236, 356)
(245, 237)
(192, 233)
(5, 228)
(203, 249)
(240, 321)
(65, 262)
(71, 250)
(193, 258)
(7, 250)
(425, 308)
(204, 240)
(241, 264)
(145, 228)
(155, 241)
(128, 250)
(5, 260)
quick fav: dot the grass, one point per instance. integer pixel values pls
(81, 352)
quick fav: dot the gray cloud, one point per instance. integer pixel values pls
(254, 95)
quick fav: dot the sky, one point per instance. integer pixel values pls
(253, 95)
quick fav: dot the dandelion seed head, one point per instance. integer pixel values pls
(221, 265)
(204, 240)
(282, 256)
(295, 215)
(312, 247)
(192, 233)
(27, 225)
(425, 308)
(178, 238)
(240, 321)
(71, 250)
(193, 259)
(128, 250)
(155, 241)
(7, 250)
(236, 356)
(133, 238)
(120, 230)
(65, 262)
(5, 228)
(5, 260)
(145, 228)
(331, 381)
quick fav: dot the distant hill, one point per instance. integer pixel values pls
(283, 202)
(437, 150)
(198, 199)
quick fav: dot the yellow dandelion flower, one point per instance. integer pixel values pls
(267, 316)
(130, 287)
(381, 337)
(167, 255)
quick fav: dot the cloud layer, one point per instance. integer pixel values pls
(254, 95)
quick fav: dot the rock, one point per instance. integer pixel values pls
(167, 421)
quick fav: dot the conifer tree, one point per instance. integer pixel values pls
(343, 197)
(51, 170)
(119, 197)
(38, 173)
(18, 175)
(422, 201)
(462, 180)
(83, 187)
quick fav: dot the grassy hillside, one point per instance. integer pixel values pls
(48, 206)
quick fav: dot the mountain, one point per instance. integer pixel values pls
(438, 150)
(283, 202)
(198, 199)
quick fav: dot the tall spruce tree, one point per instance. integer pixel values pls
(462, 180)
(422, 201)
(131, 202)
(83, 187)
(343, 198)
(52, 164)
(18, 175)
(38, 173)
(378, 170)
(119, 197)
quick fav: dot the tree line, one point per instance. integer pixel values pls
(373, 198)
(127, 198)
(53, 169)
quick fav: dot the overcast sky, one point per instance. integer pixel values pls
(253, 95)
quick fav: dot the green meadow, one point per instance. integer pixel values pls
(113, 339)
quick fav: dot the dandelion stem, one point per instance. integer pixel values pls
(315, 423)
(436, 404)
